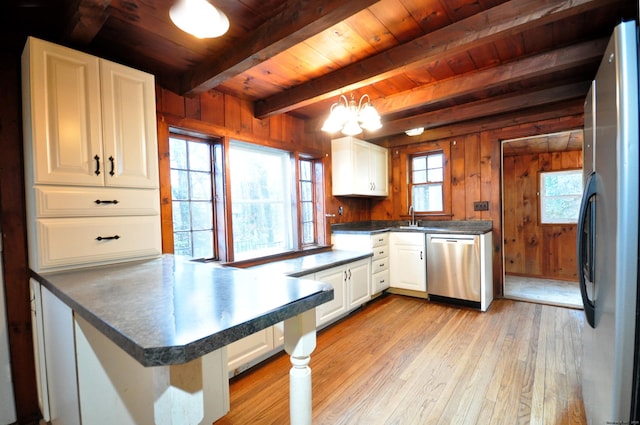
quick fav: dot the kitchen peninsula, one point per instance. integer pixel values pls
(145, 340)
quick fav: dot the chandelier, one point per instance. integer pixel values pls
(352, 117)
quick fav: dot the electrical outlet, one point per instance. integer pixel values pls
(481, 206)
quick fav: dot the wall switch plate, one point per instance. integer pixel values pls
(481, 206)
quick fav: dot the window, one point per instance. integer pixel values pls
(261, 200)
(426, 182)
(307, 202)
(192, 194)
(560, 195)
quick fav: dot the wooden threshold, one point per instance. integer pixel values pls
(403, 360)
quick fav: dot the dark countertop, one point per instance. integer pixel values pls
(468, 227)
(171, 310)
(296, 267)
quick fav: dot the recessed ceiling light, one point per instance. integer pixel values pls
(415, 131)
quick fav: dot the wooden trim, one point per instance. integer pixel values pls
(164, 172)
(14, 234)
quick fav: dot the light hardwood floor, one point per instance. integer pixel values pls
(405, 361)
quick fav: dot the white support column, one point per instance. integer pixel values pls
(299, 343)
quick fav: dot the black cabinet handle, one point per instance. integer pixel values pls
(421, 255)
(113, 166)
(100, 201)
(97, 158)
(107, 238)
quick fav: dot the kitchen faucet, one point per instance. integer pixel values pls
(413, 216)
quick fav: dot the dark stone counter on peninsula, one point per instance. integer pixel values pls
(171, 310)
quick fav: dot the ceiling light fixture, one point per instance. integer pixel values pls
(352, 117)
(415, 131)
(199, 18)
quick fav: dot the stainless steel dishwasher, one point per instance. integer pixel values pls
(453, 268)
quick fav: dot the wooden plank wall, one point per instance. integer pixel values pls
(475, 175)
(531, 248)
(221, 115)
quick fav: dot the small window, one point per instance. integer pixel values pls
(427, 176)
(307, 202)
(560, 195)
(192, 195)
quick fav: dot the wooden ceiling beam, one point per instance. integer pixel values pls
(488, 107)
(545, 64)
(299, 21)
(507, 19)
(86, 20)
(559, 116)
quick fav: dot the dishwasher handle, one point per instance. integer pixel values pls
(450, 239)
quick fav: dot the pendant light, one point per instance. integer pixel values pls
(199, 18)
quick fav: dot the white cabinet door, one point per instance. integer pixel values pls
(378, 170)
(62, 115)
(408, 261)
(337, 278)
(361, 180)
(359, 168)
(88, 121)
(358, 282)
(249, 348)
(129, 126)
(60, 360)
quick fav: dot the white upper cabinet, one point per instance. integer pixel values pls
(91, 122)
(359, 168)
(91, 162)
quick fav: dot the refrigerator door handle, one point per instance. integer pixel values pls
(586, 245)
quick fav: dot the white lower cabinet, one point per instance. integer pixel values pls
(55, 358)
(408, 261)
(351, 288)
(378, 244)
(243, 352)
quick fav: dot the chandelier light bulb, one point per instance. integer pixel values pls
(352, 117)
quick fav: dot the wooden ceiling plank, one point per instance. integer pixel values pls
(467, 84)
(556, 117)
(489, 107)
(543, 64)
(87, 20)
(298, 22)
(489, 26)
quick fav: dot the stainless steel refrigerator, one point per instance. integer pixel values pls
(608, 235)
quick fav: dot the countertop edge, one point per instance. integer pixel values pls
(179, 354)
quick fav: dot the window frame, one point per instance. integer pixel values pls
(428, 182)
(404, 156)
(542, 197)
(314, 200)
(211, 142)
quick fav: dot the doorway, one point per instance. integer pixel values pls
(539, 243)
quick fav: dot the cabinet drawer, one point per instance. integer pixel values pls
(380, 252)
(379, 281)
(380, 239)
(66, 242)
(380, 265)
(59, 201)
